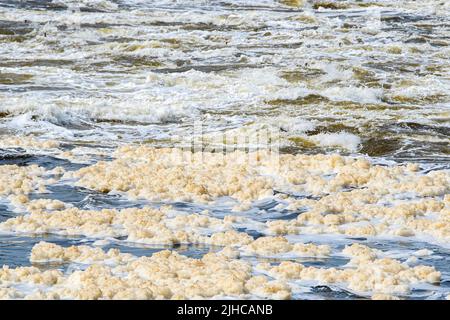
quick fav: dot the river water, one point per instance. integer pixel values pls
(362, 78)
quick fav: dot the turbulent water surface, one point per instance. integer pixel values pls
(361, 78)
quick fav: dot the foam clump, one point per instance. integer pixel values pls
(27, 142)
(352, 196)
(373, 212)
(156, 174)
(365, 274)
(175, 174)
(340, 196)
(269, 246)
(19, 181)
(145, 225)
(164, 275)
(156, 226)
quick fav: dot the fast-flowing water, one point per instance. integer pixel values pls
(361, 78)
